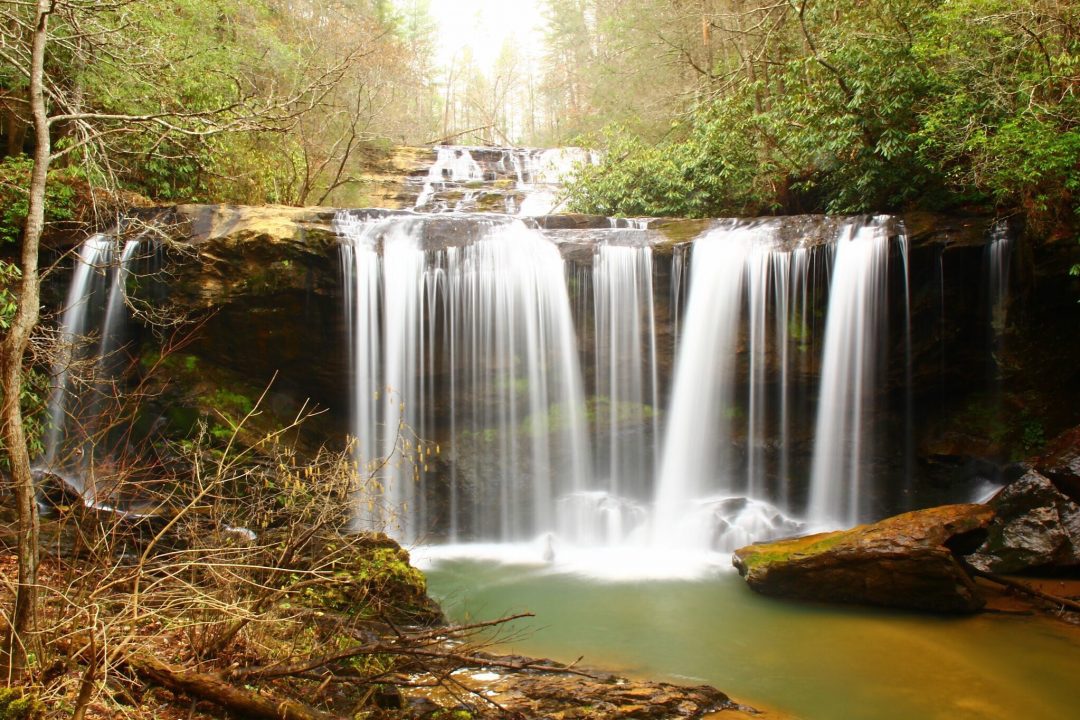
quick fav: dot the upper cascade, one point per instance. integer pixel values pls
(506, 180)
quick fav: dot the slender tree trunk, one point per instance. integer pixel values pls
(12, 352)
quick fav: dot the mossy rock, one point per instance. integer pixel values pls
(369, 575)
(907, 561)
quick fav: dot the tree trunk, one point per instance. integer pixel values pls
(213, 688)
(12, 352)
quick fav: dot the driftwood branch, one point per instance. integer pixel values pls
(1026, 589)
(215, 689)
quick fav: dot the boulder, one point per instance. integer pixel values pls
(907, 561)
(1060, 463)
(1036, 526)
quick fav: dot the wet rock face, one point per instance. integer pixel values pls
(1036, 526)
(907, 561)
(1060, 463)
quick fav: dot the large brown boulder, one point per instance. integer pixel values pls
(907, 561)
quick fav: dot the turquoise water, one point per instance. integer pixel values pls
(815, 662)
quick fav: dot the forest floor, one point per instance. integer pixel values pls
(459, 681)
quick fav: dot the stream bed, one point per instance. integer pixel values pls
(815, 662)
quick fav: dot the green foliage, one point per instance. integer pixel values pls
(1033, 438)
(33, 401)
(229, 402)
(860, 107)
(221, 90)
(9, 278)
(15, 179)
(35, 389)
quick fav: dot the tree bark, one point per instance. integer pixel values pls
(12, 353)
(218, 691)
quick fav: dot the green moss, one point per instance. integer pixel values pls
(784, 550)
(19, 704)
(1033, 436)
(798, 330)
(151, 358)
(597, 408)
(983, 416)
(369, 581)
(231, 402)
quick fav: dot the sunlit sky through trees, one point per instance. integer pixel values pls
(484, 27)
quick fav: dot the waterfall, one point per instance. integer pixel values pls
(998, 257)
(607, 384)
(707, 493)
(465, 332)
(482, 330)
(92, 333)
(625, 409)
(696, 449)
(452, 165)
(856, 314)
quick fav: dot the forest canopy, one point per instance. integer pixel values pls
(831, 105)
(325, 80)
(700, 107)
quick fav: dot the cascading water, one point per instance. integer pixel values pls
(695, 448)
(462, 330)
(998, 257)
(597, 383)
(452, 166)
(709, 492)
(480, 329)
(626, 401)
(92, 333)
(852, 355)
(514, 181)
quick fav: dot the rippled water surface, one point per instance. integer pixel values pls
(818, 663)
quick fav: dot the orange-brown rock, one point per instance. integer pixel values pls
(906, 561)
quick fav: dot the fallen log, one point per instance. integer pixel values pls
(215, 689)
(1026, 589)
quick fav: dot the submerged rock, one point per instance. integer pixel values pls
(907, 561)
(1036, 526)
